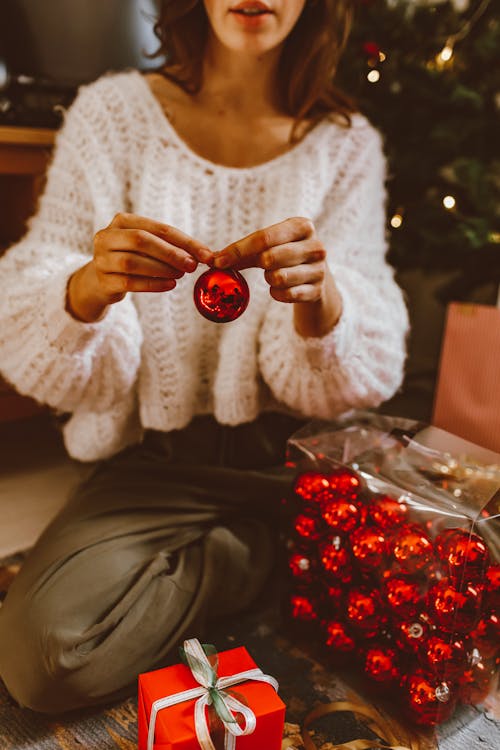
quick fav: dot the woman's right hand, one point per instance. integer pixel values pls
(132, 254)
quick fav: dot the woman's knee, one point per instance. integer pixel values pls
(37, 659)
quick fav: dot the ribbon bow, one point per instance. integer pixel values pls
(211, 692)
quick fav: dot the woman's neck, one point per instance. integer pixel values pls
(237, 83)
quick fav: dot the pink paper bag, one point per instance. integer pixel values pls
(467, 399)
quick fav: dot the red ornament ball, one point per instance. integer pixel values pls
(453, 610)
(338, 638)
(381, 664)
(386, 511)
(369, 548)
(486, 635)
(445, 656)
(365, 611)
(341, 514)
(491, 592)
(302, 608)
(336, 560)
(413, 551)
(464, 555)
(411, 635)
(301, 567)
(312, 487)
(403, 595)
(308, 526)
(474, 684)
(371, 49)
(221, 296)
(428, 700)
(345, 483)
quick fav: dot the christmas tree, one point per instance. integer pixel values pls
(425, 75)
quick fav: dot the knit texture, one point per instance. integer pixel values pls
(152, 361)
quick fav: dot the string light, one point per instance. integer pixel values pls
(373, 76)
(449, 202)
(396, 221)
(446, 53)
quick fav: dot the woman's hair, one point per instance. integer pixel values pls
(306, 68)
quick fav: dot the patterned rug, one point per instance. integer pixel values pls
(305, 682)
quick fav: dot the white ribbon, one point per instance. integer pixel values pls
(203, 673)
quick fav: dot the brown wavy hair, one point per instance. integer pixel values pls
(306, 68)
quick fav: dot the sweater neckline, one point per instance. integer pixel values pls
(164, 123)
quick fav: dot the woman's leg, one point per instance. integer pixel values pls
(147, 548)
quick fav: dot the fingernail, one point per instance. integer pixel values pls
(206, 253)
(190, 264)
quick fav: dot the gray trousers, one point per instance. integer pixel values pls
(154, 542)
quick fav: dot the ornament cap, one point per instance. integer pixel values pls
(443, 693)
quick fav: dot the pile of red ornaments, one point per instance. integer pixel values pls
(415, 607)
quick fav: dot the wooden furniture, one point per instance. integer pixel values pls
(24, 156)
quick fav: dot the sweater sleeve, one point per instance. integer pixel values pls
(44, 352)
(360, 362)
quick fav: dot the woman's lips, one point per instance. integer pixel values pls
(253, 20)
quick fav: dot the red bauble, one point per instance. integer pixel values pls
(319, 487)
(221, 296)
(308, 526)
(445, 656)
(411, 635)
(345, 483)
(428, 700)
(303, 608)
(312, 486)
(365, 610)
(386, 512)
(464, 555)
(475, 683)
(453, 610)
(413, 551)
(486, 635)
(381, 664)
(301, 566)
(371, 49)
(341, 515)
(491, 592)
(369, 548)
(403, 595)
(338, 638)
(336, 560)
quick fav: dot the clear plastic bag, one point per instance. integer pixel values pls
(394, 555)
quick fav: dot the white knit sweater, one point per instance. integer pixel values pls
(153, 361)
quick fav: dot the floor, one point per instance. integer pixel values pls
(36, 476)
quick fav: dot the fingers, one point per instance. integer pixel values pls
(284, 278)
(286, 256)
(165, 232)
(301, 293)
(141, 244)
(289, 230)
(122, 261)
(117, 284)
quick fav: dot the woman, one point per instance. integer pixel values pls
(154, 177)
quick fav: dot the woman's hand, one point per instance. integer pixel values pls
(295, 267)
(132, 254)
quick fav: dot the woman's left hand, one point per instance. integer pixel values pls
(295, 267)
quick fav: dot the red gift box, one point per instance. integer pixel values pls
(175, 725)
